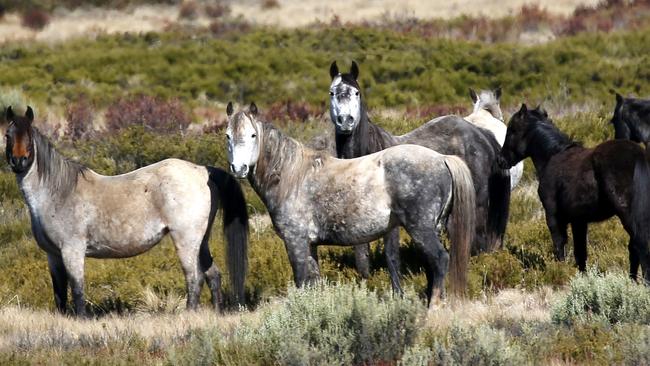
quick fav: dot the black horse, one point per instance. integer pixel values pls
(578, 185)
(357, 136)
(631, 119)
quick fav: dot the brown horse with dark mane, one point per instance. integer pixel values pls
(578, 185)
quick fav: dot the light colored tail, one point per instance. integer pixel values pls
(462, 223)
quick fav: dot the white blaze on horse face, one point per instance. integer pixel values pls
(345, 105)
(243, 146)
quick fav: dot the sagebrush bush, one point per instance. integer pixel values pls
(328, 324)
(609, 297)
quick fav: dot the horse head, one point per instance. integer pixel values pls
(345, 99)
(488, 100)
(243, 140)
(19, 140)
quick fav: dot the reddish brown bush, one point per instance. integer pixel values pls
(155, 114)
(219, 28)
(270, 4)
(531, 16)
(79, 115)
(291, 111)
(189, 10)
(217, 10)
(35, 19)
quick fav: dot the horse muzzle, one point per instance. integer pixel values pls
(344, 124)
(18, 165)
(239, 172)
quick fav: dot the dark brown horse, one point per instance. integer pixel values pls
(578, 185)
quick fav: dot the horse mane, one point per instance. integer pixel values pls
(283, 162)
(57, 172)
(545, 136)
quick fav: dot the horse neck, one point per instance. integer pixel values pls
(482, 116)
(279, 168)
(541, 152)
(366, 138)
(51, 175)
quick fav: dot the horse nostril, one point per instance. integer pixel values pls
(339, 119)
(13, 160)
(232, 168)
(245, 168)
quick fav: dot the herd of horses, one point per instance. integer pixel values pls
(451, 174)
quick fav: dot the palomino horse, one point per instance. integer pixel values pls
(487, 115)
(579, 185)
(314, 198)
(631, 119)
(76, 212)
(357, 136)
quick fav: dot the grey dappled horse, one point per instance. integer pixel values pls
(314, 198)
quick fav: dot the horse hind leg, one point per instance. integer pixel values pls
(187, 248)
(212, 275)
(436, 261)
(362, 259)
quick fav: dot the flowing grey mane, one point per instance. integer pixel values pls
(56, 171)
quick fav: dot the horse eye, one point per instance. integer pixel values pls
(227, 137)
(356, 93)
(331, 94)
(253, 135)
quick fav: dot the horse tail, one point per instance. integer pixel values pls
(641, 200)
(235, 229)
(462, 223)
(499, 201)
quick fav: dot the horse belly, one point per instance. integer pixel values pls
(125, 240)
(358, 231)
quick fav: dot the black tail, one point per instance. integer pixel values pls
(499, 204)
(641, 210)
(235, 229)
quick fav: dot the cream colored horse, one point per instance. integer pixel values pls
(77, 213)
(487, 114)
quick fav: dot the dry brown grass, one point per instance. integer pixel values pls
(26, 329)
(290, 14)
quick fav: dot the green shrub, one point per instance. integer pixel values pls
(610, 297)
(327, 324)
(468, 345)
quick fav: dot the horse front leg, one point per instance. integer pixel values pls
(362, 260)
(559, 235)
(391, 251)
(304, 266)
(73, 260)
(580, 244)
(59, 281)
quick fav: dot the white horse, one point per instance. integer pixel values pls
(77, 213)
(487, 114)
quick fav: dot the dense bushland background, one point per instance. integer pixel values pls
(119, 102)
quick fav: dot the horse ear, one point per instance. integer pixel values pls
(229, 109)
(9, 115)
(523, 108)
(334, 70)
(619, 99)
(354, 70)
(497, 93)
(29, 113)
(253, 109)
(473, 95)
